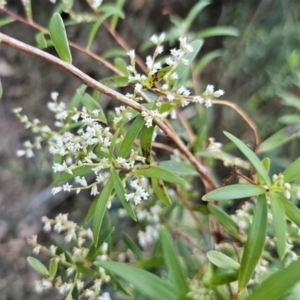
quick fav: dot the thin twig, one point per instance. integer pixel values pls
(245, 118)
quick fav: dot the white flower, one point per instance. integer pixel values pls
(67, 187)
(209, 89)
(169, 61)
(208, 103)
(170, 96)
(54, 95)
(138, 87)
(94, 190)
(105, 296)
(56, 190)
(219, 93)
(198, 99)
(138, 195)
(131, 54)
(96, 3)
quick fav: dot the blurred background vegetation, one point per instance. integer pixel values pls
(259, 70)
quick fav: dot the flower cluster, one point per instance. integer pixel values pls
(83, 142)
(178, 96)
(152, 228)
(81, 239)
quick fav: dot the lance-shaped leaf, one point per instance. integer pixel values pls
(80, 171)
(160, 190)
(251, 157)
(234, 191)
(279, 138)
(53, 268)
(146, 142)
(278, 283)
(159, 173)
(291, 210)
(194, 12)
(59, 37)
(145, 282)
(132, 246)
(223, 277)
(255, 242)
(217, 31)
(95, 250)
(292, 171)
(37, 265)
(100, 209)
(131, 135)
(221, 260)
(178, 167)
(279, 223)
(176, 272)
(225, 220)
(121, 193)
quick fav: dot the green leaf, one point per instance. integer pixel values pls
(290, 100)
(176, 272)
(206, 59)
(131, 135)
(100, 209)
(146, 142)
(234, 191)
(160, 191)
(41, 40)
(225, 220)
(115, 81)
(251, 156)
(217, 31)
(109, 12)
(279, 223)
(59, 37)
(255, 242)
(76, 99)
(90, 104)
(5, 21)
(292, 171)
(132, 246)
(92, 209)
(120, 191)
(114, 52)
(159, 173)
(113, 144)
(223, 277)
(279, 138)
(278, 283)
(266, 162)
(145, 282)
(53, 268)
(121, 66)
(86, 270)
(80, 171)
(179, 167)
(37, 265)
(94, 251)
(291, 210)
(194, 12)
(115, 18)
(221, 260)
(289, 119)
